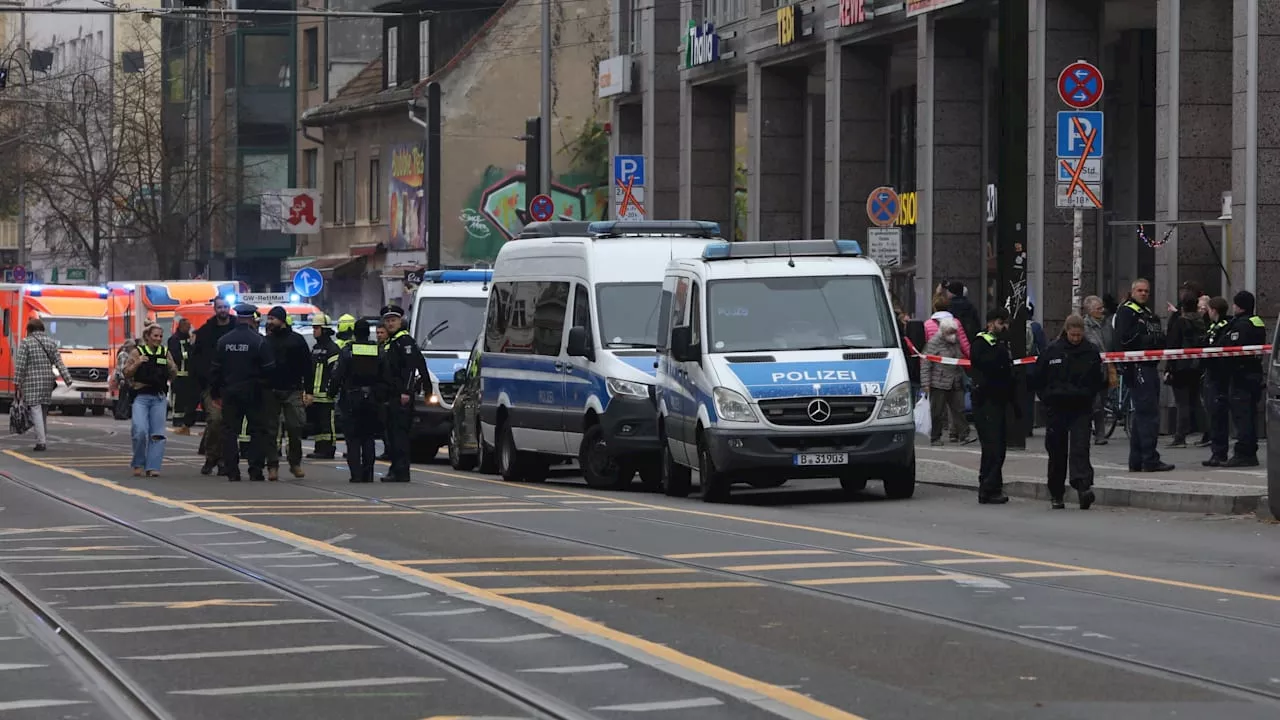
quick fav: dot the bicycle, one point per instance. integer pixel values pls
(1118, 409)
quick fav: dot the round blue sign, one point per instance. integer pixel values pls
(308, 282)
(542, 208)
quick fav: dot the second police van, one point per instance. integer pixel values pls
(781, 360)
(568, 360)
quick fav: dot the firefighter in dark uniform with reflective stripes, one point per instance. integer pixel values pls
(184, 385)
(357, 382)
(1247, 379)
(1217, 385)
(403, 368)
(320, 413)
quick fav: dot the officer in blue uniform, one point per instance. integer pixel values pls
(1138, 328)
(992, 373)
(1217, 385)
(1247, 380)
(356, 382)
(403, 368)
(241, 363)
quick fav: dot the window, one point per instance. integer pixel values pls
(311, 55)
(424, 48)
(629, 314)
(391, 58)
(131, 61)
(495, 322)
(549, 309)
(799, 313)
(526, 318)
(448, 323)
(375, 190)
(582, 310)
(680, 310)
(339, 183)
(664, 320)
(695, 315)
(266, 61)
(310, 168)
(349, 189)
(263, 173)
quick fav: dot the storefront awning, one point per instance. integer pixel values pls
(329, 264)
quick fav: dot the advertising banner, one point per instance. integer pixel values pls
(406, 201)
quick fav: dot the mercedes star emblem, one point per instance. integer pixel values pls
(93, 375)
(819, 410)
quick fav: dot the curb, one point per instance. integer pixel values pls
(1264, 512)
(1203, 503)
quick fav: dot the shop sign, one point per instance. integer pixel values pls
(77, 274)
(906, 209)
(788, 19)
(615, 76)
(853, 12)
(702, 45)
(920, 7)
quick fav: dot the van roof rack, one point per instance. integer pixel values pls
(665, 228)
(781, 249)
(555, 228)
(446, 276)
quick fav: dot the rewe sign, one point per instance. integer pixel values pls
(702, 46)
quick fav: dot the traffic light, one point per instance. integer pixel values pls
(532, 157)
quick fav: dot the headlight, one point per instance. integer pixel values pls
(730, 405)
(897, 402)
(618, 386)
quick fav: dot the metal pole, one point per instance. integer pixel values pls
(545, 142)
(434, 231)
(1077, 256)
(22, 171)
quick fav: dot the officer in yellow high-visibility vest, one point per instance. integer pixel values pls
(1247, 378)
(320, 413)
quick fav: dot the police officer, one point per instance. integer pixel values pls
(402, 369)
(356, 379)
(992, 374)
(1138, 328)
(1245, 328)
(320, 413)
(1217, 385)
(289, 387)
(203, 350)
(238, 381)
(1069, 376)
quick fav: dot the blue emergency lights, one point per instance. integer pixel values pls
(295, 298)
(446, 276)
(230, 298)
(782, 249)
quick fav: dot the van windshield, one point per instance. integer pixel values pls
(798, 313)
(78, 333)
(448, 323)
(629, 314)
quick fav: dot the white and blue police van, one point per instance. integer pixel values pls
(447, 314)
(568, 363)
(781, 360)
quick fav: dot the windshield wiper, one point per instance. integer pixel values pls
(444, 325)
(626, 345)
(826, 347)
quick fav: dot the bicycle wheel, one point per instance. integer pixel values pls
(1109, 419)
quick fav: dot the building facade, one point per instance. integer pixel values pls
(844, 96)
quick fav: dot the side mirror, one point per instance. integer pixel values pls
(683, 349)
(460, 376)
(580, 343)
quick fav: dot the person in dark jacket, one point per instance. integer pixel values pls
(403, 369)
(1247, 378)
(1217, 384)
(185, 392)
(962, 309)
(320, 410)
(1069, 377)
(355, 381)
(238, 376)
(1186, 330)
(290, 378)
(1138, 328)
(203, 352)
(992, 368)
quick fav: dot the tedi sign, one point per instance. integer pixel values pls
(702, 46)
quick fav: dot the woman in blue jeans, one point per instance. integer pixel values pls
(150, 371)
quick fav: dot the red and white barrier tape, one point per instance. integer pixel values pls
(1127, 356)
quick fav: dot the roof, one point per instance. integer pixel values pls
(466, 49)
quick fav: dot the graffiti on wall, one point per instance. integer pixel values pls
(405, 201)
(495, 211)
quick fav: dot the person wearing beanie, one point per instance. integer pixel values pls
(320, 409)
(1246, 378)
(963, 310)
(287, 381)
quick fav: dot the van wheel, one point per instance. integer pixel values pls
(900, 483)
(457, 459)
(713, 485)
(511, 465)
(677, 480)
(486, 458)
(599, 468)
(536, 470)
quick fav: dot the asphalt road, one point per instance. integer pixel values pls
(458, 595)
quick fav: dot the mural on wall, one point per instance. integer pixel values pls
(495, 210)
(405, 201)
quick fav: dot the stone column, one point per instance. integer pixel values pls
(1130, 149)
(856, 132)
(815, 106)
(662, 34)
(775, 152)
(706, 158)
(1255, 192)
(1193, 151)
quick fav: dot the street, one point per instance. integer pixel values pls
(459, 595)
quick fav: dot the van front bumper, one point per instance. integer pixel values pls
(630, 426)
(87, 394)
(434, 422)
(766, 452)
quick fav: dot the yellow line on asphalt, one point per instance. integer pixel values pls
(807, 566)
(543, 558)
(621, 588)
(967, 561)
(486, 503)
(894, 545)
(289, 508)
(1054, 573)
(327, 512)
(237, 501)
(553, 573)
(745, 553)
(509, 510)
(567, 620)
(873, 579)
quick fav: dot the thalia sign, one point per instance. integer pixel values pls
(702, 46)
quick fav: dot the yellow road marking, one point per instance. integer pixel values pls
(587, 502)
(197, 604)
(80, 548)
(288, 508)
(621, 588)
(544, 558)
(487, 503)
(509, 510)
(552, 573)
(264, 501)
(1054, 573)
(873, 579)
(745, 553)
(967, 561)
(806, 566)
(894, 545)
(567, 620)
(328, 512)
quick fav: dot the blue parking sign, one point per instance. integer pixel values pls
(628, 170)
(1074, 129)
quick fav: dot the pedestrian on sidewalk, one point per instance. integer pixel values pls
(1069, 379)
(33, 366)
(943, 384)
(1217, 383)
(150, 372)
(1186, 330)
(992, 383)
(1098, 332)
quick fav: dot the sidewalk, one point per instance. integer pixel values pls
(1190, 487)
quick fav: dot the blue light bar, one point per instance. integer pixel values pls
(782, 249)
(35, 290)
(230, 298)
(666, 228)
(295, 298)
(444, 276)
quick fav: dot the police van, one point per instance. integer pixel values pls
(781, 360)
(447, 314)
(567, 365)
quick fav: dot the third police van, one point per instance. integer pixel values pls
(781, 360)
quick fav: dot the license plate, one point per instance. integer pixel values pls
(93, 394)
(806, 459)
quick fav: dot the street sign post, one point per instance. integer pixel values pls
(884, 245)
(628, 187)
(1080, 150)
(308, 282)
(542, 208)
(19, 274)
(1080, 85)
(882, 207)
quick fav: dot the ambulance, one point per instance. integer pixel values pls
(299, 313)
(75, 316)
(156, 300)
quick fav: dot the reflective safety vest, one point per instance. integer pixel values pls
(364, 365)
(154, 371)
(185, 347)
(1257, 321)
(991, 339)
